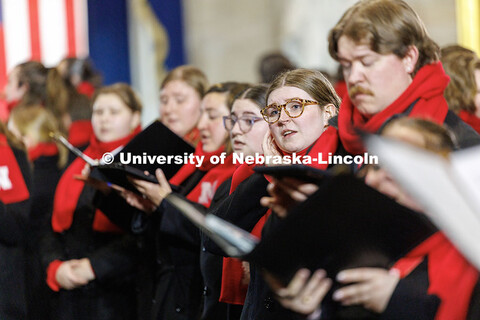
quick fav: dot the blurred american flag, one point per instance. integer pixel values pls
(41, 30)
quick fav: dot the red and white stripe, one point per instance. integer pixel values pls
(44, 30)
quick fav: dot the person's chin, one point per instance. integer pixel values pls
(366, 109)
(239, 150)
(207, 146)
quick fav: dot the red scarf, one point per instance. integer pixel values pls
(86, 88)
(193, 137)
(427, 86)
(234, 289)
(4, 112)
(341, 89)
(47, 149)
(216, 174)
(470, 119)
(452, 278)
(80, 133)
(69, 189)
(12, 185)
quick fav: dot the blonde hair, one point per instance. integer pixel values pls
(38, 122)
(192, 76)
(11, 138)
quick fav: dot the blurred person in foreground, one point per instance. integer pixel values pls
(432, 281)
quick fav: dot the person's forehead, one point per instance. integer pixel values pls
(176, 87)
(242, 106)
(350, 49)
(213, 100)
(280, 95)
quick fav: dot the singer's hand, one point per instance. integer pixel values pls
(152, 191)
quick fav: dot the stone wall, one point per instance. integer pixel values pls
(226, 38)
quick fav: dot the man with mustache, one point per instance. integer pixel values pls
(391, 66)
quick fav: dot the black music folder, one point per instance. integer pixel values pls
(155, 140)
(345, 224)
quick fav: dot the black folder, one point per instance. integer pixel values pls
(158, 140)
(155, 140)
(298, 171)
(345, 224)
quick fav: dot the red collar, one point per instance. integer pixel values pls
(80, 133)
(68, 189)
(47, 149)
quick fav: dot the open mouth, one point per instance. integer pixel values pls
(238, 144)
(287, 133)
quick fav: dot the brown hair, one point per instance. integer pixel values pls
(81, 68)
(33, 74)
(459, 64)
(124, 92)
(437, 138)
(387, 26)
(40, 123)
(256, 93)
(192, 76)
(311, 81)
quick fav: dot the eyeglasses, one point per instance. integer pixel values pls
(245, 122)
(293, 108)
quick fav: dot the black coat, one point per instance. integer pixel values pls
(171, 255)
(113, 258)
(13, 221)
(46, 174)
(211, 266)
(243, 209)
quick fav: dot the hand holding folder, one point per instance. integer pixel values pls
(156, 139)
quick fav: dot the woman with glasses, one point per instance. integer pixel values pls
(247, 130)
(299, 104)
(178, 283)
